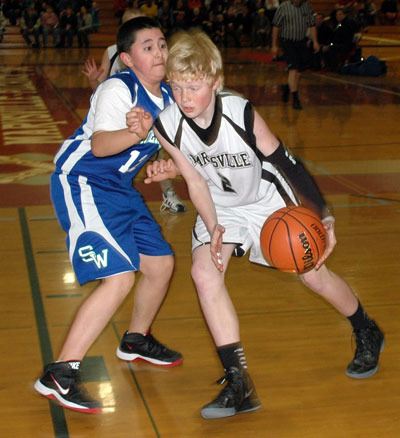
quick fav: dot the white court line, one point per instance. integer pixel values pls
(369, 87)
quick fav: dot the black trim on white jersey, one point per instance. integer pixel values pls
(178, 135)
(160, 128)
(207, 135)
(293, 170)
(272, 178)
(238, 251)
(113, 59)
(247, 134)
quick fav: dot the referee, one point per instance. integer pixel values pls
(293, 22)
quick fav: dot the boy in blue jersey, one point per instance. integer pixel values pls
(238, 173)
(110, 232)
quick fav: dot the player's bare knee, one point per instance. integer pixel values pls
(205, 279)
(160, 267)
(122, 283)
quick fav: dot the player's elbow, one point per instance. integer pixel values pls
(97, 146)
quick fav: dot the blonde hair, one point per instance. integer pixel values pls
(192, 54)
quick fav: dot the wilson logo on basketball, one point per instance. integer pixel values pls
(308, 257)
(292, 239)
(320, 233)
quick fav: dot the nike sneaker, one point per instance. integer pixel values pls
(135, 346)
(61, 382)
(370, 343)
(238, 396)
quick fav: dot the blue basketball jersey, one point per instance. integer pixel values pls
(107, 222)
(75, 155)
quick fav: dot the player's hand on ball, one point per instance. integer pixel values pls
(329, 225)
(160, 170)
(216, 247)
(139, 122)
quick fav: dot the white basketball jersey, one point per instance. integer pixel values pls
(224, 153)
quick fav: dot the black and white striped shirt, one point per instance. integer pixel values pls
(293, 21)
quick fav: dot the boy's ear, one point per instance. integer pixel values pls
(126, 59)
(217, 84)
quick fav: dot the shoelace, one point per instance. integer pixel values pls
(154, 345)
(364, 340)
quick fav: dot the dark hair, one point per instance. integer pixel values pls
(126, 35)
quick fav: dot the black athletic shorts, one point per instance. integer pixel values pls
(297, 54)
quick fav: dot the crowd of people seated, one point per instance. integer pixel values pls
(62, 20)
(230, 23)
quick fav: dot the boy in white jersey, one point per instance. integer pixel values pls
(238, 173)
(111, 233)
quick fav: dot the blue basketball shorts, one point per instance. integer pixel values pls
(107, 229)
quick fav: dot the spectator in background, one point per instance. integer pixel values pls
(164, 15)
(84, 27)
(49, 23)
(179, 16)
(343, 41)
(196, 18)
(95, 12)
(68, 27)
(270, 8)
(389, 12)
(119, 7)
(12, 10)
(30, 26)
(261, 29)
(3, 22)
(149, 8)
(219, 30)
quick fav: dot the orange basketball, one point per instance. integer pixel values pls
(293, 239)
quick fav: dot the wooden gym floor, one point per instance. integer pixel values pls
(297, 346)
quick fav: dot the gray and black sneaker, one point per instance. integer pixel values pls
(369, 344)
(172, 202)
(135, 346)
(61, 382)
(238, 396)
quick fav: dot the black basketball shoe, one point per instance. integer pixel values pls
(369, 344)
(135, 346)
(238, 396)
(61, 382)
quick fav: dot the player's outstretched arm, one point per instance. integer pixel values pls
(200, 196)
(106, 143)
(290, 167)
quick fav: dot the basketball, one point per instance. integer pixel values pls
(293, 239)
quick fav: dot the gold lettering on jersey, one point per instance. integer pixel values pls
(220, 161)
(25, 118)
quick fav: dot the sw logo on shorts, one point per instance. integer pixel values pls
(87, 254)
